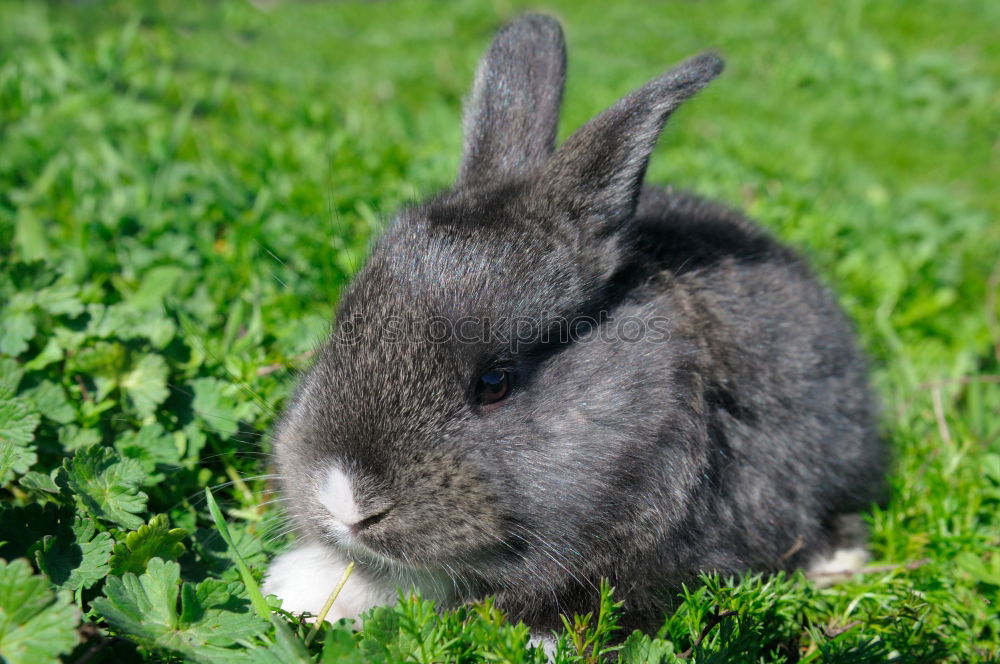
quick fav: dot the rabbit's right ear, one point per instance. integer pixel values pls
(511, 116)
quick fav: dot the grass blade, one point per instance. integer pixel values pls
(329, 603)
(253, 590)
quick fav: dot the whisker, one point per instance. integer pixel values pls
(272, 501)
(269, 252)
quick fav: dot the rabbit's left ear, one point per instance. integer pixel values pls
(512, 113)
(599, 169)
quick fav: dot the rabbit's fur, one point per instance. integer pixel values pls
(737, 432)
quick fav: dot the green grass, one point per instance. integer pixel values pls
(183, 194)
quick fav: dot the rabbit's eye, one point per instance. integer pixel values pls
(493, 386)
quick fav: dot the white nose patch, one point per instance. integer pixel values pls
(337, 496)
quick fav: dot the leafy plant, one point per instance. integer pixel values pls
(36, 625)
(184, 193)
(211, 618)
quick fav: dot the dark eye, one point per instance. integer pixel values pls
(493, 386)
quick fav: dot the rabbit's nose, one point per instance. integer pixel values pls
(338, 494)
(368, 521)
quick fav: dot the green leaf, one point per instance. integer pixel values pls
(210, 620)
(28, 276)
(150, 446)
(124, 321)
(38, 482)
(991, 467)
(107, 486)
(73, 437)
(109, 321)
(103, 363)
(68, 549)
(60, 299)
(641, 649)
(35, 624)
(156, 327)
(30, 236)
(143, 606)
(68, 339)
(146, 384)
(17, 431)
(215, 405)
(382, 629)
(301, 336)
(17, 328)
(194, 439)
(340, 647)
(222, 556)
(154, 540)
(74, 564)
(10, 374)
(156, 284)
(103, 358)
(50, 400)
(287, 648)
(52, 352)
(23, 527)
(14, 460)
(987, 571)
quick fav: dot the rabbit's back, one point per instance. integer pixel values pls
(789, 420)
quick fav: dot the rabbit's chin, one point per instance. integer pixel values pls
(304, 577)
(397, 564)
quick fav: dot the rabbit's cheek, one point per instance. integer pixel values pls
(445, 516)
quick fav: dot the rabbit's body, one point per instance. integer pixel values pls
(676, 391)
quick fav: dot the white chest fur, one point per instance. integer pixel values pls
(304, 577)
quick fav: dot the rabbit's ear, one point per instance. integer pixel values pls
(511, 115)
(599, 169)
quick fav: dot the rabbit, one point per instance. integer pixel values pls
(553, 374)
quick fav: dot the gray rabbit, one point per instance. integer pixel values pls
(552, 374)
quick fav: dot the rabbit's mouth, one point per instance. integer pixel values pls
(355, 549)
(430, 547)
(384, 556)
(423, 527)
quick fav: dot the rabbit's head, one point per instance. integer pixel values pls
(472, 411)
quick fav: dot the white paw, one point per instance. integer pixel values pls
(547, 643)
(843, 561)
(305, 576)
